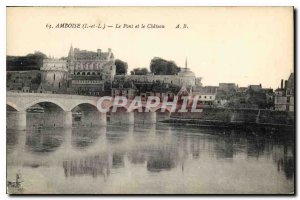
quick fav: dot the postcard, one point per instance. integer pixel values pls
(150, 100)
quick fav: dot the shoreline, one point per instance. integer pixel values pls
(278, 129)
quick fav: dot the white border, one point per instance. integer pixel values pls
(5, 3)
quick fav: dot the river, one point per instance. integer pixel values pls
(149, 159)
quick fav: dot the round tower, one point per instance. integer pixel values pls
(54, 76)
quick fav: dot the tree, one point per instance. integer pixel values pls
(139, 71)
(121, 67)
(29, 62)
(159, 66)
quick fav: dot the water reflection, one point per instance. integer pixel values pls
(43, 141)
(114, 152)
(163, 158)
(93, 165)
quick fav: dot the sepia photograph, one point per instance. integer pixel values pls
(150, 100)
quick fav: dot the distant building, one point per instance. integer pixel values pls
(284, 96)
(242, 89)
(256, 88)
(227, 87)
(205, 95)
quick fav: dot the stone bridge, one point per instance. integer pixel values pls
(60, 110)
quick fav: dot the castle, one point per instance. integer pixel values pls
(81, 72)
(92, 73)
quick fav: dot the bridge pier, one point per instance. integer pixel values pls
(68, 119)
(160, 116)
(145, 117)
(93, 118)
(122, 117)
(16, 120)
(102, 119)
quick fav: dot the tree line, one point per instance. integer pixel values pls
(158, 66)
(32, 61)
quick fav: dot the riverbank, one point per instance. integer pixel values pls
(246, 119)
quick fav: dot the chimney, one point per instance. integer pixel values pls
(281, 84)
(285, 84)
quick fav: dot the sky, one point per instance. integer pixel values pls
(242, 45)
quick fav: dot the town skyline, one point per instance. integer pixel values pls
(220, 46)
(148, 67)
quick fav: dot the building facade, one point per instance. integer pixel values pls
(88, 71)
(284, 96)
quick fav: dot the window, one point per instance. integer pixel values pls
(53, 76)
(58, 84)
(210, 97)
(204, 97)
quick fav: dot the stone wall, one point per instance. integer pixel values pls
(241, 116)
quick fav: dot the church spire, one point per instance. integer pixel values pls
(71, 52)
(186, 62)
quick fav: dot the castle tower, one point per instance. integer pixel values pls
(54, 76)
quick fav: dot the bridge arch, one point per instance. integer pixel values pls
(46, 113)
(12, 106)
(89, 104)
(87, 114)
(39, 101)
